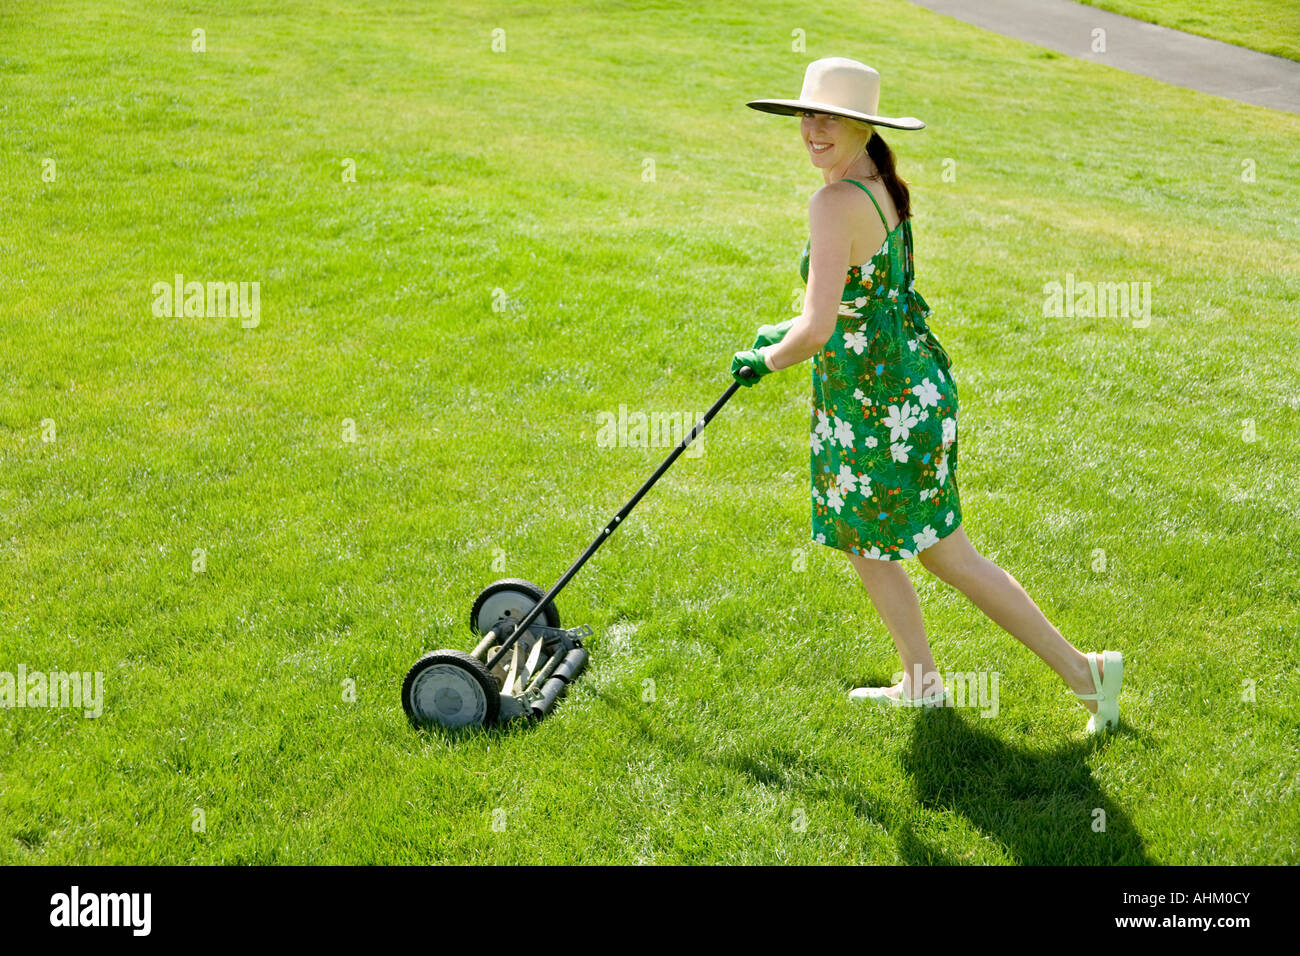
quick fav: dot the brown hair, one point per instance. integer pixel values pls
(883, 157)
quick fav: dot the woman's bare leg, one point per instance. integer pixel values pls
(955, 561)
(895, 600)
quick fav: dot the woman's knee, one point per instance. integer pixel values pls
(873, 571)
(953, 559)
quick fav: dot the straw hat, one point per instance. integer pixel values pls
(840, 86)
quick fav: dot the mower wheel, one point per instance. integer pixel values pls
(510, 598)
(452, 689)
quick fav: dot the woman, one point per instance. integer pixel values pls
(884, 424)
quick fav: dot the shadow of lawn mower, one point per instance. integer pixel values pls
(524, 660)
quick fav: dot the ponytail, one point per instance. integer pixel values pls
(883, 157)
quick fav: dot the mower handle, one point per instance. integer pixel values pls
(744, 372)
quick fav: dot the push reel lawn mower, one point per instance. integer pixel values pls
(524, 660)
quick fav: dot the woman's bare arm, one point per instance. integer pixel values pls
(831, 240)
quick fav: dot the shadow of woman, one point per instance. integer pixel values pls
(1040, 807)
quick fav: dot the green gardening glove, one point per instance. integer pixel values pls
(771, 334)
(751, 359)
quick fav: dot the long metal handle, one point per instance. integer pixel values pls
(615, 521)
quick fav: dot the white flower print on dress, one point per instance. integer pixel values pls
(948, 520)
(901, 420)
(949, 431)
(844, 433)
(927, 394)
(834, 498)
(899, 451)
(847, 479)
(816, 443)
(927, 537)
(870, 441)
(823, 426)
(941, 473)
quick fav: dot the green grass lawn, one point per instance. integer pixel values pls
(712, 725)
(1270, 26)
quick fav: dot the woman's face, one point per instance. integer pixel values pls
(830, 140)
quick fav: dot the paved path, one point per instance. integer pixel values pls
(1171, 56)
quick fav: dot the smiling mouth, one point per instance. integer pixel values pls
(819, 147)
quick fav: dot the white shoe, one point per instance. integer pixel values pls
(1107, 691)
(882, 697)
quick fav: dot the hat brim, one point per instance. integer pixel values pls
(791, 107)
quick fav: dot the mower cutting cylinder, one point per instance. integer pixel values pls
(549, 696)
(544, 674)
(574, 664)
(554, 688)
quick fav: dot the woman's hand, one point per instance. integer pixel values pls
(751, 359)
(771, 334)
(768, 335)
(830, 238)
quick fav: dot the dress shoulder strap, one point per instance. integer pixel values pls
(883, 220)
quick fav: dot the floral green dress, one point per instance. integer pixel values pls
(884, 414)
